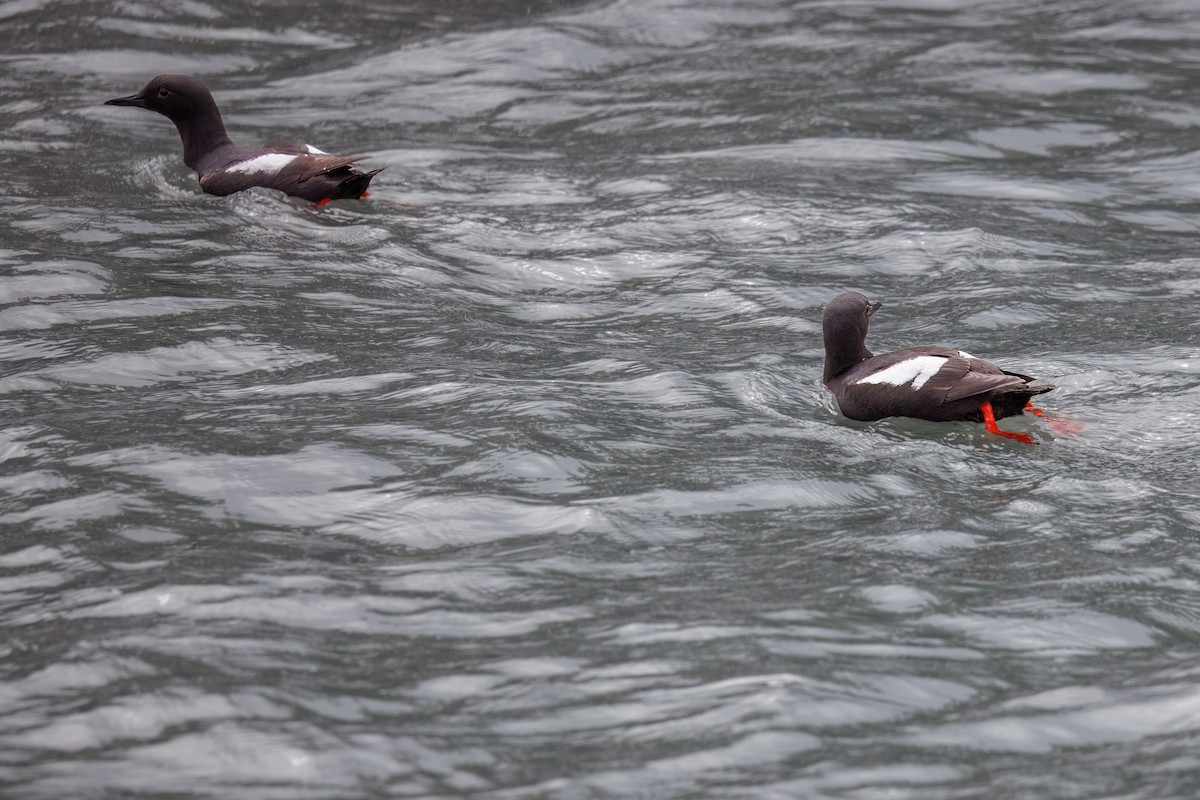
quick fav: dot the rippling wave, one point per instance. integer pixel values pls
(518, 479)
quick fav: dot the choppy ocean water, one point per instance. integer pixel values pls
(518, 480)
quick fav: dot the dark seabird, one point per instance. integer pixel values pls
(300, 170)
(941, 384)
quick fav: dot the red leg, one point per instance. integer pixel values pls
(1065, 427)
(989, 422)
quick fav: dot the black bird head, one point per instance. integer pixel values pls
(845, 328)
(179, 97)
(188, 103)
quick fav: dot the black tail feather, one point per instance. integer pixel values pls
(356, 185)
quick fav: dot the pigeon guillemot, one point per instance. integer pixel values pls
(300, 170)
(935, 383)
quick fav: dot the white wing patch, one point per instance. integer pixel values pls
(917, 370)
(271, 162)
(965, 354)
(316, 151)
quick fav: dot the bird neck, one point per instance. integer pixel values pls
(201, 134)
(842, 353)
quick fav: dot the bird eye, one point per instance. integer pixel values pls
(164, 92)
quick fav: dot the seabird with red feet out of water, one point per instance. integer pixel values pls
(941, 384)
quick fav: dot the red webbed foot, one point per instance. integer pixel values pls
(1061, 425)
(989, 422)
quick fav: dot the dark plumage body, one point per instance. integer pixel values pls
(934, 383)
(297, 169)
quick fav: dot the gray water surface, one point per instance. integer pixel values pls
(518, 479)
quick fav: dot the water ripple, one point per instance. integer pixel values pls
(518, 477)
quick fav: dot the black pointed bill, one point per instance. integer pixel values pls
(871, 309)
(131, 100)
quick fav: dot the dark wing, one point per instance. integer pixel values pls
(953, 392)
(312, 161)
(323, 177)
(962, 377)
(314, 177)
(310, 166)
